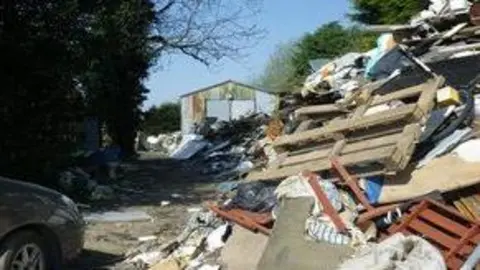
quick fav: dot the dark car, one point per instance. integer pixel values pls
(40, 228)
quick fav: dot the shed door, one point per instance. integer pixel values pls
(218, 108)
(242, 108)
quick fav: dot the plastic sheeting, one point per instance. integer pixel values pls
(190, 145)
(255, 197)
(397, 252)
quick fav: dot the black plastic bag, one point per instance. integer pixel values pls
(255, 197)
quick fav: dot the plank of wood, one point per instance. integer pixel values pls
(304, 125)
(318, 109)
(472, 204)
(402, 94)
(337, 148)
(405, 148)
(360, 110)
(440, 237)
(377, 154)
(349, 148)
(463, 209)
(380, 118)
(410, 183)
(349, 100)
(319, 134)
(426, 102)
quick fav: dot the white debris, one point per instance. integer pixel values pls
(215, 238)
(398, 252)
(209, 267)
(117, 216)
(165, 203)
(176, 196)
(194, 209)
(147, 238)
(244, 167)
(149, 258)
(469, 151)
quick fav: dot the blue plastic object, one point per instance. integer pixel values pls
(373, 189)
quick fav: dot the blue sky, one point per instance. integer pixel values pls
(284, 21)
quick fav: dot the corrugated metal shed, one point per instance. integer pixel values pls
(225, 100)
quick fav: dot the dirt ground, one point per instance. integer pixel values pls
(148, 182)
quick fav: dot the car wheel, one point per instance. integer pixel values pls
(25, 251)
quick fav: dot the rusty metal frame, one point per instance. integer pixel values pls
(351, 182)
(328, 209)
(252, 221)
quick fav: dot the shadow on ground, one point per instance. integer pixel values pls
(146, 184)
(94, 260)
(149, 181)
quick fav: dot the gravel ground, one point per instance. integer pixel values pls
(147, 183)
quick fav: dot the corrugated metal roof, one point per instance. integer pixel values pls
(226, 83)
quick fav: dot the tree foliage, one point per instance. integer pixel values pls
(277, 75)
(64, 60)
(162, 119)
(39, 103)
(386, 11)
(120, 55)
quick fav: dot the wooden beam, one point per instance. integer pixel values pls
(319, 134)
(304, 125)
(404, 93)
(377, 154)
(318, 109)
(347, 149)
(405, 148)
(337, 148)
(426, 102)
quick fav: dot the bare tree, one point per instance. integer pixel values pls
(206, 30)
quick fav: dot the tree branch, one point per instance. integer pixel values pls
(206, 30)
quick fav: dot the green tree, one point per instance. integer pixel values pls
(39, 101)
(162, 119)
(278, 73)
(386, 11)
(64, 60)
(120, 54)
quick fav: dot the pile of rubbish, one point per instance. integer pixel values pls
(376, 164)
(224, 150)
(163, 143)
(88, 178)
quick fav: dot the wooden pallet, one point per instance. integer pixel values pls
(392, 151)
(454, 235)
(357, 119)
(386, 139)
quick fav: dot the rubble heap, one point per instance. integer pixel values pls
(378, 157)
